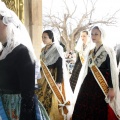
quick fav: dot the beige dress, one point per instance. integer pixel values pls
(45, 94)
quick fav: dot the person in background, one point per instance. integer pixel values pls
(53, 57)
(17, 71)
(82, 49)
(117, 49)
(97, 87)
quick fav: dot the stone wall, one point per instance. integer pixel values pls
(33, 22)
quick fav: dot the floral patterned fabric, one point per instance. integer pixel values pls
(12, 104)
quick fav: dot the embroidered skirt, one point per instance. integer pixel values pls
(90, 104)
(10, 108)
(48, 99)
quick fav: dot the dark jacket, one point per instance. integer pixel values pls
(17, 76)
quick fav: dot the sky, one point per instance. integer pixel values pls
(102, 7)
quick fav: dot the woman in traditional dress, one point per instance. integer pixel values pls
(17, 71)
(52, 56)
(98, 84)
(118, 60)
(82, 47)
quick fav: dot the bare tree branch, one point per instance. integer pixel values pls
(64, 25)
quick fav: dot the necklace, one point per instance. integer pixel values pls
(84, 46)
(47, 47)
(95, 51)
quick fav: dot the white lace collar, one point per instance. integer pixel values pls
(11, 44)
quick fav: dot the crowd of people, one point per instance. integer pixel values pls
(70, 58)
(90, 93)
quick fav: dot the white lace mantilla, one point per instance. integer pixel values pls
(51, 56)
(100, 56)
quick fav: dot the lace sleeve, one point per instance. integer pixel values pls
(27, 106)
(26, 76)
(109, 72)
(58, 65)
